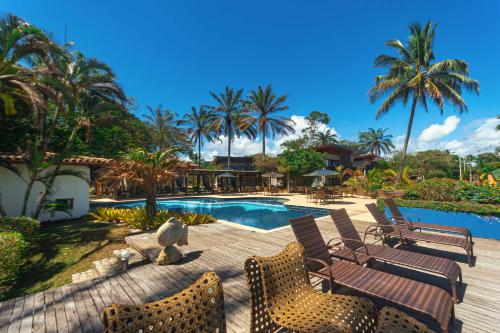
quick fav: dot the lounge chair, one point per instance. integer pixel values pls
(359, 251)
(417, 296)
(405, 234)
(399, 218)
(281, 297)
(198, 308)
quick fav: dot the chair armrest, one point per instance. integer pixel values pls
(336, 245)
(353, 252)
(325, 265)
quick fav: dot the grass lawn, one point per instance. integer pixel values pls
(64, 248)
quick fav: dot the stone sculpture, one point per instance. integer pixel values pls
(170, 233)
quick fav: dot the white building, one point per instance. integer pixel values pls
(69, 190)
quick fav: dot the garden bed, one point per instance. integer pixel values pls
(461, 206)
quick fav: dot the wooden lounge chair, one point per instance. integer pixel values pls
(359, 251)
(405, 234)
(198, 309)
(420, 297)
(399, 218)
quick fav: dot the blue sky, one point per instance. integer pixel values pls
(319, 52)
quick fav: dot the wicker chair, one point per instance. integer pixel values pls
(391, 320)
(281, 297)
(198, 308)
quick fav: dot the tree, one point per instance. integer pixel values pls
(265, 103)
(301, 161)
(199, 124)
(376, 141)
(165, 133)
(264, 163)
(145, 170)
(314, 121)
(413, 75)
(324, 138)
(230, 118)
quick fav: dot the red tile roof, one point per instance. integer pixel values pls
(75, 160)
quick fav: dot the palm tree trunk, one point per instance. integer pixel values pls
(228, 151)
(407, 139)
(150, 206)
(199, 161)
(264, 141)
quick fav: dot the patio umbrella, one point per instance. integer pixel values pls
(323, 173)
(226, 175)
(272, 175)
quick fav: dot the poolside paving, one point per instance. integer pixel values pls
(223, 248)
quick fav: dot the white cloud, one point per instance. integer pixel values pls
(437, 131)
(244, 146)
(475, 139)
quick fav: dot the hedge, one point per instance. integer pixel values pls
(26, 226)
(465, 206)
(12, 248)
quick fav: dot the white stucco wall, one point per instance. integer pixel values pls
(65, 187)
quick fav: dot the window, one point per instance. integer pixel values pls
(65, 203)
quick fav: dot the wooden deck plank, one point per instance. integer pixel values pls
(5, 315)
(39, 313)
(62, 321)
(28, 310)
(72, 318)
(16, 316)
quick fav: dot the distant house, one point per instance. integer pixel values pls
(336, 155)
(71, 191)
(243, 163)
(494, 177)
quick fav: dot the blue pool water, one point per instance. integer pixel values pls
(480, 225)
(261, 213)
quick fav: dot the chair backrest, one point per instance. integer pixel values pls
(198, 308)
(272, 281)
(396, 213)
(346, 228)
(380, 218)
(308, 235)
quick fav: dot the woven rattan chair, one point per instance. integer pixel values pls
(405, 234)
(387, 287)
(391, 320)
(413, 225)
(198, 308)
(281, 297)
(357, 250)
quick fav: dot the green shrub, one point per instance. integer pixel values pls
(137, 217)
(464, 206)
(449, 190)
(12, 248)
(26, 226)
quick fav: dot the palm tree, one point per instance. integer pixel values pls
(230, 118)
(376, 141)
(324, 138)
(413, 75)
(19, 41)
(145, 170)
(199, 124)
(265, 103)
(162, 123)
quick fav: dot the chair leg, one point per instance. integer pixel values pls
(460, 279)
(469, 258)
(454, 291)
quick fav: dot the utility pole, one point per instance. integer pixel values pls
(460, 167)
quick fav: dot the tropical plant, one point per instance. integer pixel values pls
(264, 163)
(230, 118)
(324, 138)
(199, 122)
(24, 225)
(265, 103)
(144, 170)
(413, 76)
(301, 161)
(376, 141)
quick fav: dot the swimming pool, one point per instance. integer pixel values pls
(260, 213)
(480, 225)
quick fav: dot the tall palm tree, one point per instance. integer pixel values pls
(413, 75)
(265, 103)
(162, 123)
(199, 122)
(376, 141)
(230, 118)
(145, 170)
(324, 138)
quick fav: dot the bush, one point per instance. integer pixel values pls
(26, 226)
(450, 190)
(12, 248)
(464, 206)
(137, 217)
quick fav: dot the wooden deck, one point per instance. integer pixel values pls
(223, 249)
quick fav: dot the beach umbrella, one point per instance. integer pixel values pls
(226, 175)
(272, 175)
